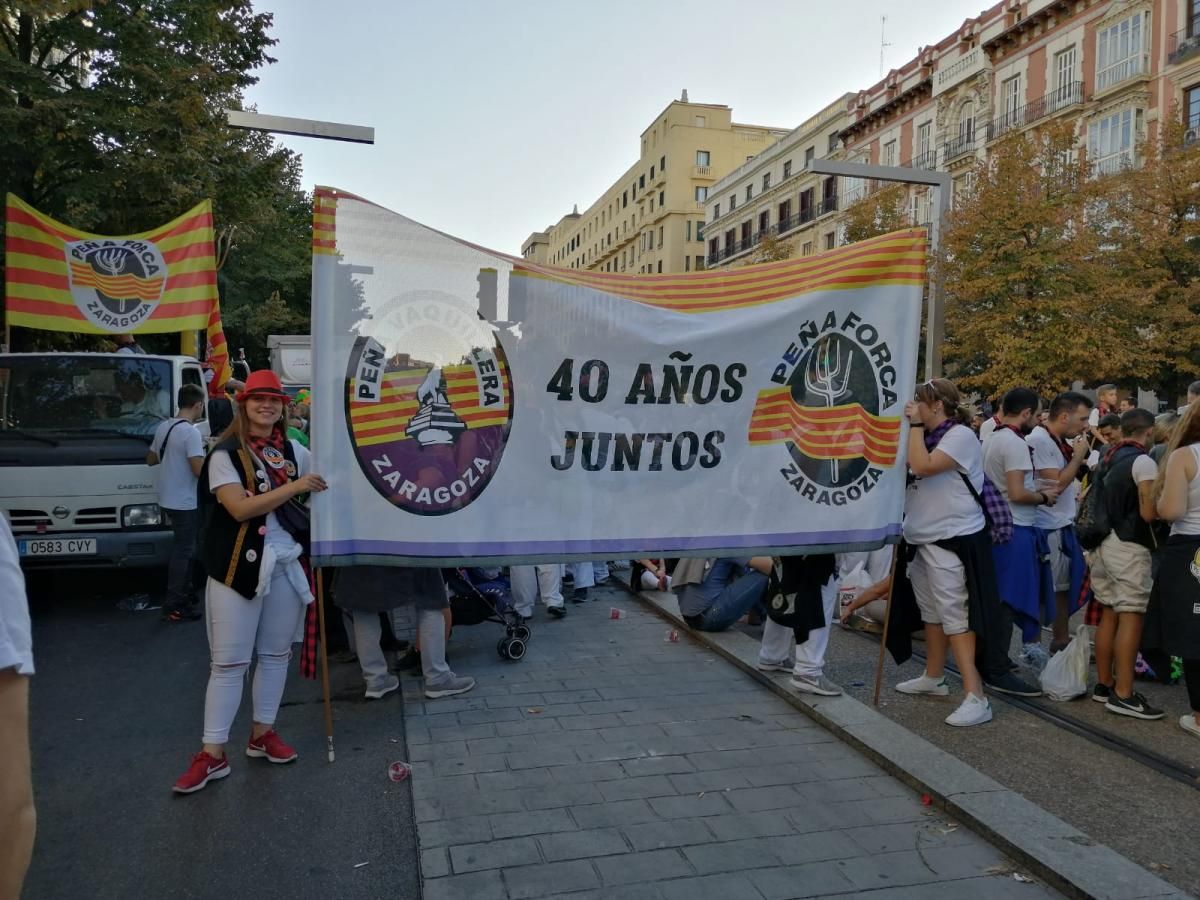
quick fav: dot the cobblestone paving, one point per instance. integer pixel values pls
(611, 762)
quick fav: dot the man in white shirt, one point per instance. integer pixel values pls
(178, 448)
(17, 815)
(1059, 449)
(1022, 565)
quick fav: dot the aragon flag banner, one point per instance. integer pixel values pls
(59, 278)
(475, 406)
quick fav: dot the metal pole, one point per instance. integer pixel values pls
(941, 185)
(329, 131)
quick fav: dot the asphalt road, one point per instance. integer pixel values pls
(116, 713)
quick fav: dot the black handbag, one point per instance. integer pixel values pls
(294, 518)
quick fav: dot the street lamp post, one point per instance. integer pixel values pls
(941, 184)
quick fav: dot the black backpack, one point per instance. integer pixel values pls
(1093, 523)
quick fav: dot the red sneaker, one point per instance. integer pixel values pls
(271, 746)
(204, 768)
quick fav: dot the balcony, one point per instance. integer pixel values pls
(1129, 67)
(959, 70)
(705, 172)
(826, 206)
(1113, 163)
(963, 144)
(926, 161)
(1062, 98)
(1184, 44)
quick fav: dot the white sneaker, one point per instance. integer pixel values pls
(784, 665)
(924, 685)
(973, 711)
(1188, 724)
(819, 685)
(457, 684)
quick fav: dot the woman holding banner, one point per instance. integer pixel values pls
(253, 545)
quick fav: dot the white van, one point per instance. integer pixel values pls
(74, 431)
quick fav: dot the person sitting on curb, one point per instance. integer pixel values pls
(715, 593)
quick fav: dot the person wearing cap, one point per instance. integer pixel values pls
(258, 590)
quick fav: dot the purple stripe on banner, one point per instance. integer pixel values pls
(616, 546)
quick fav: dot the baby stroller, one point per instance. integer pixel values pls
(475, 599)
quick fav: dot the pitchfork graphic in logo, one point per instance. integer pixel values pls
(827, 375)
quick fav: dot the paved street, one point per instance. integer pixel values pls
(613, 763)
(116, 706)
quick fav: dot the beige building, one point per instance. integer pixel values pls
(776, 194)
(652, 218)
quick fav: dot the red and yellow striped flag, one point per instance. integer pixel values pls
(217, 352)
(824, 432)
(59, 278)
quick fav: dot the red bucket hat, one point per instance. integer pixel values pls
(264, 382)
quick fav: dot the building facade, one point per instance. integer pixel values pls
(652, 218)
(1113, 68)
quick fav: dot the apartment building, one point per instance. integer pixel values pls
(652, 218)
(776, 193)
(1111, 67)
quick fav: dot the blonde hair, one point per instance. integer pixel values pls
(239, 428)
(1186, 433)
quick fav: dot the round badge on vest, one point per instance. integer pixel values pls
(273, 457)
(251, 555)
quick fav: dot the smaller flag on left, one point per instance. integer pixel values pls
(59, 278)
(217, 351)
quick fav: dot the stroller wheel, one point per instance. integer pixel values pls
(516, 649)
(502, 647)
(521, 633)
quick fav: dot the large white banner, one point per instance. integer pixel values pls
(474, 406)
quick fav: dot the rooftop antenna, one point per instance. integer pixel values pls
(883, 44)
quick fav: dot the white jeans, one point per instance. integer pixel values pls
(810, 656)
(267, 626)
(530, 581)
(368, 631)
(584, 574)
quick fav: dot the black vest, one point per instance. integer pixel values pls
(231, 551)
(1121, 499)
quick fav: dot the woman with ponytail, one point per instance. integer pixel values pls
(254, 547)
(1173, 617)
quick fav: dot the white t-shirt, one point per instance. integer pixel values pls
(940, 506)
(1046, 455)
(176, 483)
(876, 563)
(988, 426)
(1094, 417)
(221, 471)
(1006, 452)
(16, 643)
(1144, 469)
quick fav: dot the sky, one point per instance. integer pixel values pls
(492, 119)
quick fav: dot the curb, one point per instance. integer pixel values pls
(1060, 854)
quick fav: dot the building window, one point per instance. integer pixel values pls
(687, 230)
(830, 240)
(889, 153)
(699, 263)
(806, 205)
(624, 199)
(662, 199)
(745, 234)
(1119, 53)
(730, 240)
(1010, 100)
(924, 143)
(787, 169)
(732, 202)
(766, 180)
(660, 267)
(662, 164)
(807, 251)
(713, 248)
(1191, 107)
(642, 182)
(833, 141)
(651, 204)
(764, 221)
(687, 264)
(660, 235)
(716, 211)
(649, 240)
(809, 155)
(1064, 75)
(701, 193)
(966, 123)
(785, 212)
(699, 122)
(749, 191)
(1110, 142)
(702, 157)
(652, 173)
(699, 231)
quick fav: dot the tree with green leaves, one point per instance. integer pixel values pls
(112, 118)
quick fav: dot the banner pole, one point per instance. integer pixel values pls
(887, 615)
(320, 573)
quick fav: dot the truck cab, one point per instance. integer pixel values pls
(74, 432)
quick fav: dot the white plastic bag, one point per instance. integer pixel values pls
(850, 586)
(1065, 676)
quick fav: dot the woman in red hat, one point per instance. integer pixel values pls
(253, 547)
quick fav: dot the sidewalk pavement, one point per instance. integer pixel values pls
(612, 762)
